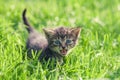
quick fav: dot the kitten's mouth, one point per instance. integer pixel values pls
(63, 52)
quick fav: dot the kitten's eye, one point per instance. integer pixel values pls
(57, 42)
(68, 41)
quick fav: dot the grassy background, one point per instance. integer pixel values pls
(96, 56)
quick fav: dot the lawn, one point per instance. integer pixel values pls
(96, 56)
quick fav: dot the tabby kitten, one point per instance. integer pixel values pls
(55, 44)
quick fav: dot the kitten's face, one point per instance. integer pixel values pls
(61, 40)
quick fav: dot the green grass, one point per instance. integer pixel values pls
(96, 56)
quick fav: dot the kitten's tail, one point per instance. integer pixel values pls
(29, 27)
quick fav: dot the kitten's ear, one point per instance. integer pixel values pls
(76, 32)
(49, 32)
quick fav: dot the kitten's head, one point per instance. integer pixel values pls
(61, 40)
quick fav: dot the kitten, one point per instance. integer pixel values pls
(55, 44)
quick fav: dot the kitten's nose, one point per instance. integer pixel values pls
(63, 47)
